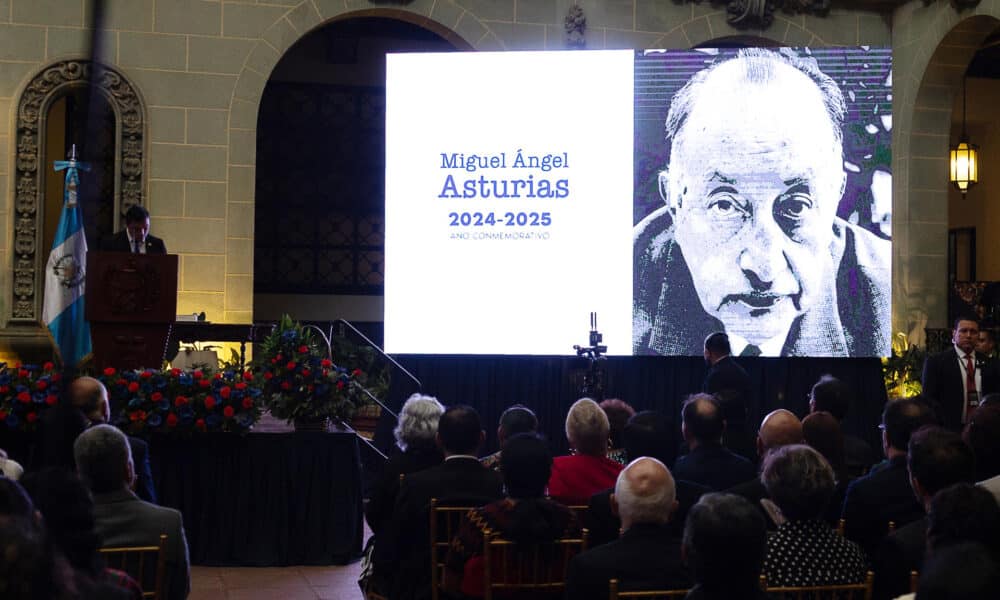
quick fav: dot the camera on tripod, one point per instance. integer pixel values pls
(595, 349)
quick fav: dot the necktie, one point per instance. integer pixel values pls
(750, 350)
(971, 396)
(135, 246)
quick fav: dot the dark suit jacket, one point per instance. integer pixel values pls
(122, 519)
(143, 472)
(715, 467)
(647, 556)
(729, 382)
(872, 501)
(60, 425)
(901, 552)
(119, 243)
(604, 524)
(942, 382)
(858, 456)
(382, 498)
(403, 552)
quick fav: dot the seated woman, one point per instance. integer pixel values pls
(588, 470)
(806, 550)
(525, 516)
(618, 412)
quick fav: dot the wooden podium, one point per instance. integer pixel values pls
(131, 302)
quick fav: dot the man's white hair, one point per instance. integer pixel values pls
(418, 421)
(653, 506)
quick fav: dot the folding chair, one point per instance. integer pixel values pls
(146, 564)
(444, 523)
(850, 591)
(520, 570)
(615, 594)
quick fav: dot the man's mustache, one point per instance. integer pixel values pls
(760, 303)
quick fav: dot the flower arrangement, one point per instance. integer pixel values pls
(901, 371)
(301, 383)
(183, 401)
(26, 392)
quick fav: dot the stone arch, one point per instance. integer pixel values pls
(700, 31)
(33, 104)
(931, 68)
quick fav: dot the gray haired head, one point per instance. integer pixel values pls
(104, 459)
(418, 421)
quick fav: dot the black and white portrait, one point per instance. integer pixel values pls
(763, 201)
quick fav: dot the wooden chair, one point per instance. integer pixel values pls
(518, 571)
(914, 581)
(841, 527)
(146, 564)
(645, 594)
(850, 591)
(444, 523)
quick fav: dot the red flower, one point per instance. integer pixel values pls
(108, 372)
(268, 376)
(3, 416)
(325, 372)
(48, 366)
(279, 357)
(340, 385)
(247, 376)
(209, 402)
(285, 385)
(306, 372)
(133, 387)
(274, 361)
(204, 383)
(291, 365)
(142, 415)
(146, 374)
(241, 386)
(326, 363)
(197, 374)
(121, 382)
(175, 372)
(22, 373)
(248, 403)
(224, 392)
(217, 376)
(41, 385)
(32, 417)
(56, 377)
(51, 400)
(171, 420)
(4, 389)
(228, 412)
(156, 397)
(356, 372)
(303, 349)
(180, 401)
(24, 397)
(200, 424)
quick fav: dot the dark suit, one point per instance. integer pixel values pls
(858, 456)
(872, 501)
(901, 552)
(119, 243)
(382, 498)
(143, 472)
(604, 524)
(60, 425)
(122, 519)
(403, 553)
(729, 382)
(715, 467)
(647, 556)
(942, 381)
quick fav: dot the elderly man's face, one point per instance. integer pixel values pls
(754, 187)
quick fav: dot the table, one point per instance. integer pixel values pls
(188, 332)
(263, 499)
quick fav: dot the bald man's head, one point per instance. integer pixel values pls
(645, 493)
(91, 397)
(779, 428)
(702, 420)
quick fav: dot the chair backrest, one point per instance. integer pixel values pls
(516, 570)
(444, 524)
(146, 564)
(615, 594)
(841, 527)
(850, 591)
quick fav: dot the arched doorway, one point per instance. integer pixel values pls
(319, 215)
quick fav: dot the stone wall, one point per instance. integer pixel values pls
(201, 65)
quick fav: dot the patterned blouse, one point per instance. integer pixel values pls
(803, 553)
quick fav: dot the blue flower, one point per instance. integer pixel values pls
(12, 420)
(213, 420)
(244, 419)
(164, 404)
(185, 379)
(154, 420)
(135, 402)
(185, 412)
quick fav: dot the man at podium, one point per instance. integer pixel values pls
(135, 237)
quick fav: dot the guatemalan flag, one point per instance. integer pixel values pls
(65, 275)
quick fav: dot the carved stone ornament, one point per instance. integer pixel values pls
(45, 88)
(759, 14)
(575, 25)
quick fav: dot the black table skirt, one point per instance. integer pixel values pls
(264, 499)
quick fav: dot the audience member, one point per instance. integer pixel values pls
(937, 458)
(577, 477)
(963, 513)
(707, 461)
(9, 468)
(724, 544)
(885, 495)
(28, 568)
(648, 554)
(986, 344)
(779, 428)
(104, 461)
(14, 501)
(730, 384)
(525, 516)
(832, 395)
(90, 397)
(618, 412)
(646, 434)
(822, 432)
(960, 572)
(982, 434)
(58, 430)
(806, 550)
(516, 419)
(460, 479)
(68, 512)
(416, 450)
